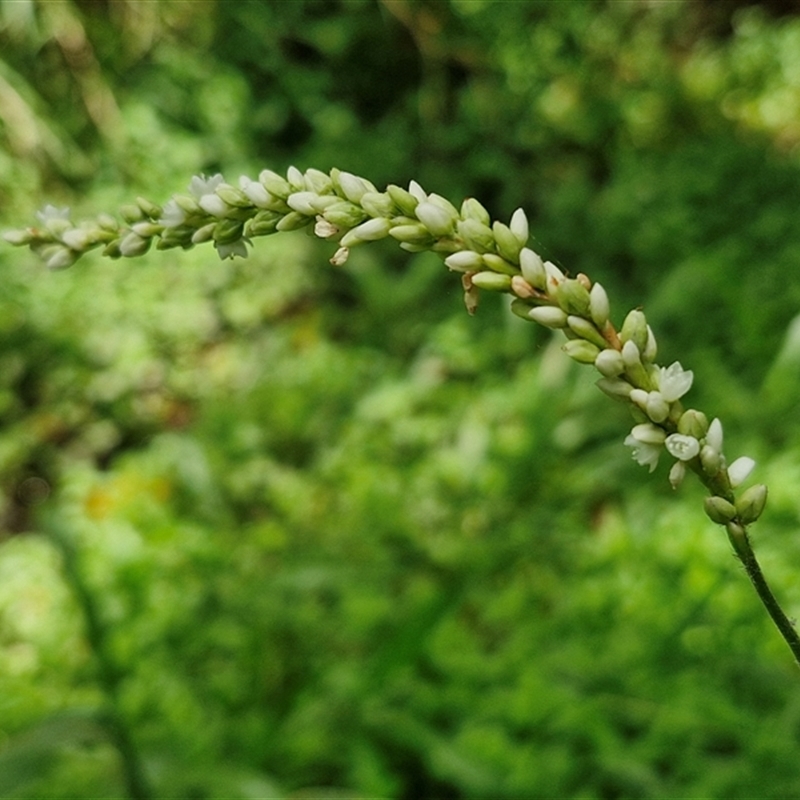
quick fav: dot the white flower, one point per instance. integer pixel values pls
(172, 215)
(232, 249)
(740, 470)
(200, 186)
(684, 448)
(674, 381)
(646, 440)
(644, 454)
(50, 212)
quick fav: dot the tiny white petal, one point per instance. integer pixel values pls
(519, 226)
(50, 212)
(172, 215)
(340, 256)
(644, 454)
(325, 229)
(714, 437)
(740, 470)
(200, 185)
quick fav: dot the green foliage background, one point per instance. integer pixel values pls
(334, 537)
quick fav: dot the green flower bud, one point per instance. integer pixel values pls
(493, 281)
(133, 245)
(750, 505)
(186, 203)
(710, 460)
(232, 196)
(18, 238)
(353, 187)
(304, 203)
(148, 209)
(437, 220)
(293, 221)
(609, 363)
(317, 181)
(472, 209)
(464, 261)
(416, 234)
(498, 264)
(719, 510)
(656, 407)
(532, 268)
(378, 204)
(618, 388)
(228, 231)
(344, 214)
(131, 213)
(476, 235)
(204, 234)
(275, 184)
(693, 423)
(519, 227)
(634, 329)
(583, 328)
(521, 309)
(549, 316)
(581, 351)
(370, 231)
(404, 200)
(651, 348)
(296, 179)
(599, 307)
(507, 244)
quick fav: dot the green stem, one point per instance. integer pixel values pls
(110, 676)
(737, 535)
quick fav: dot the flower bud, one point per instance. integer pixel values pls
(417, 191)
(131, 213)
(133, 245)
(618, 388)
(719, 510)
(353, 187)
(296, 179)
(492, 281)
(521, 309)
(599, 307)
(228, 231)
(572, 296)
(586, 330)
(581, 351)
(740, 470)
(370, 231)
(275, 184)
(651, 348)
(378, 204)
(750, 505)
(499, 264)
(609, 362)
(214, 205)
(148, 209)
(234, 197)
(472, 209)
(521, 287)
(339, 257)
(532, 268)
(677, 473)
(476, 235)
(549, 316)
(464, 261)
(519, 226)
(404, 200)
(656, 407)
(293, 221)
(634, 329)
(710, 460)
(416, 233)
(317, 181)
(507, 244)
(344, 214)
(693, 423)
(59, 257)
(303, 203)
(204, 234)
(436, 219)
(714, 437)
(18, 237)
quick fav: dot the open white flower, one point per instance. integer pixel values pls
(50, 212)
(674, 381)
(684, 448)
(646, 440)
(200, 186)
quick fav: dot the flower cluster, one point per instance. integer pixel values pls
(489, 255)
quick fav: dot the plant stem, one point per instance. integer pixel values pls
(737, 535)
(110, 676)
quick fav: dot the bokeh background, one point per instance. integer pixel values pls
(273, 529)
